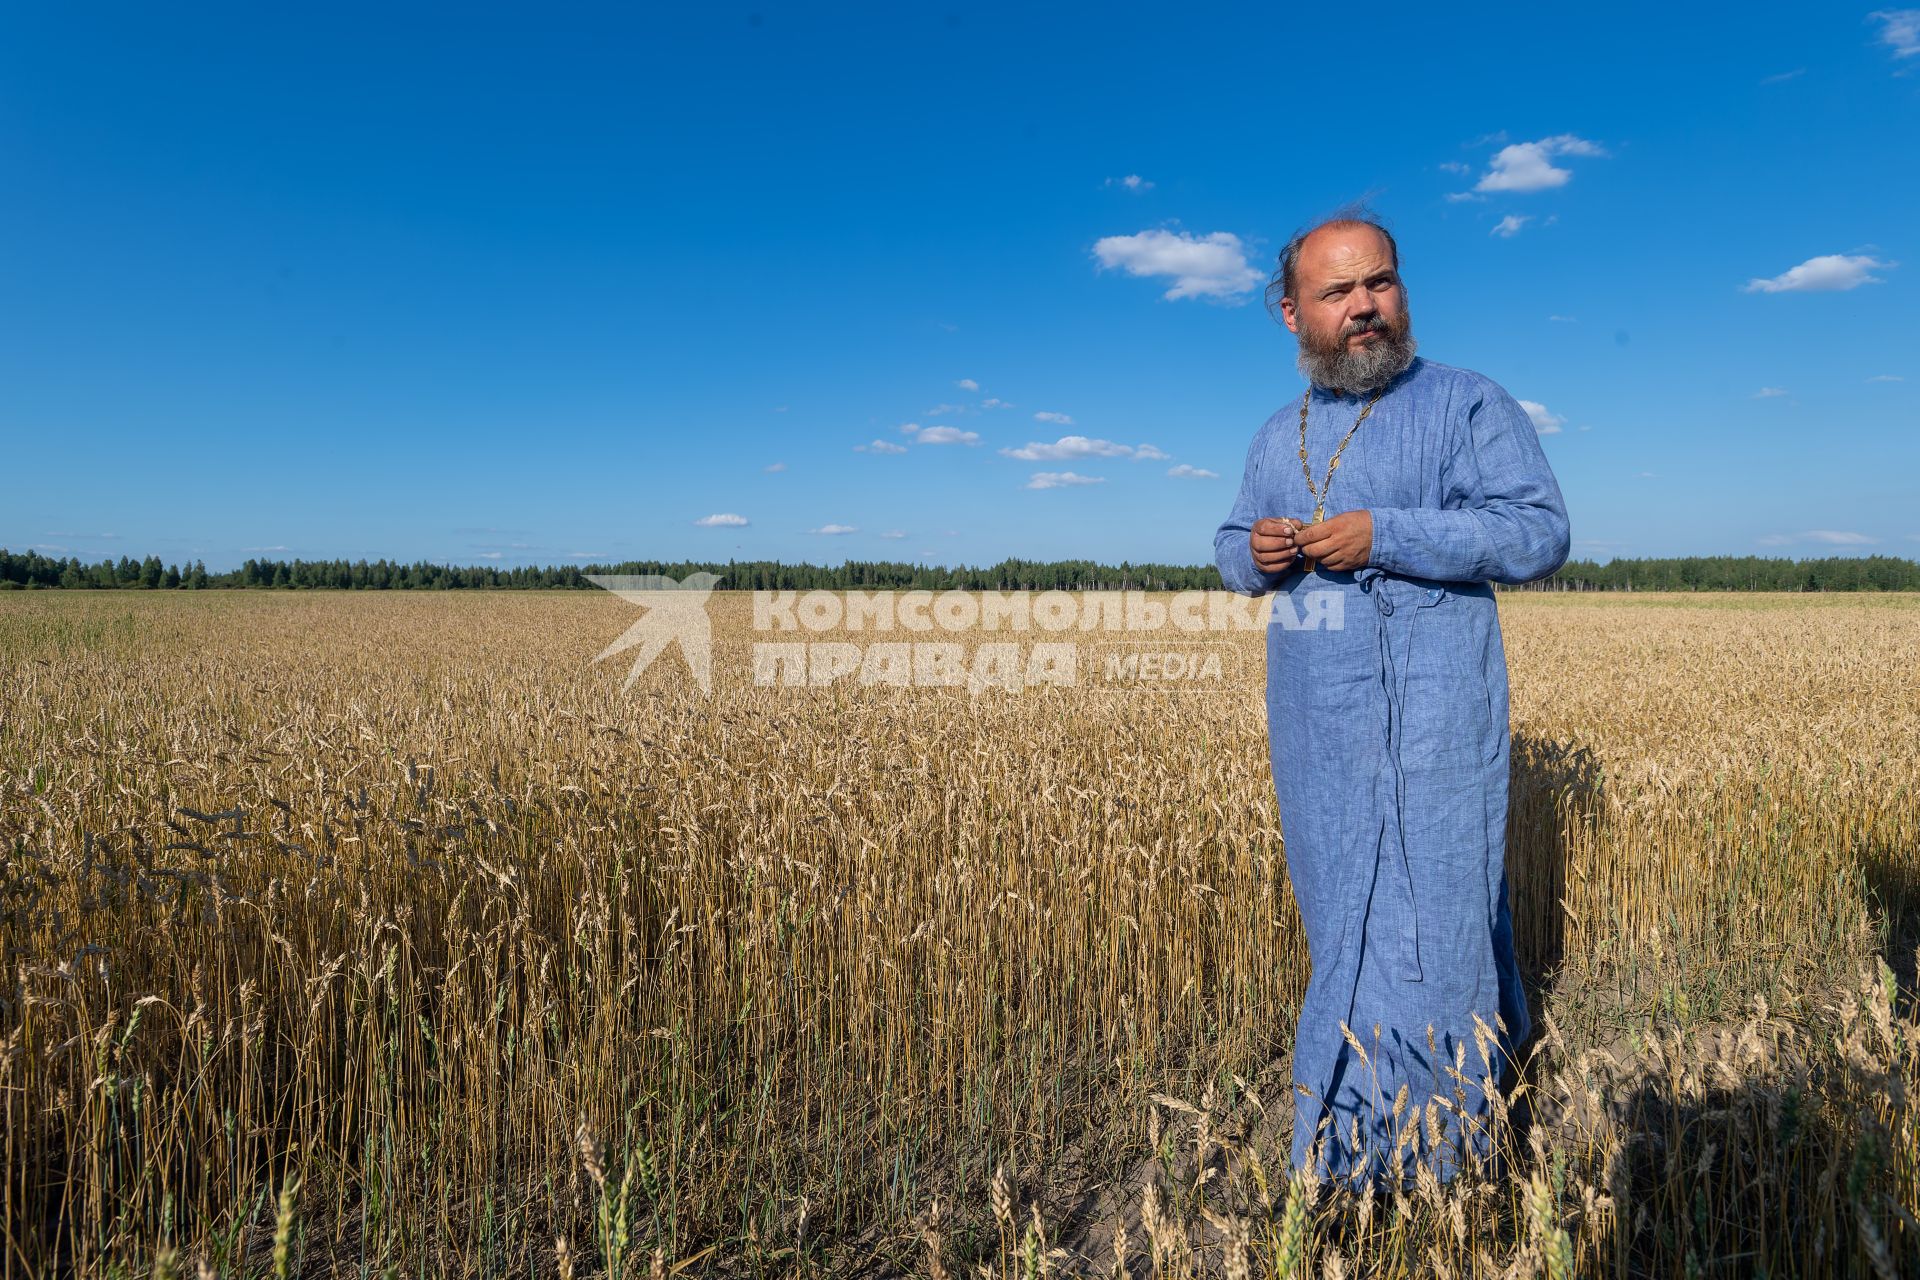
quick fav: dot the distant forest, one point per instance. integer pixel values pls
(32, 570)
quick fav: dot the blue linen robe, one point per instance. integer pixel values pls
(1387, 726)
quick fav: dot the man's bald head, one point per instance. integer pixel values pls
(1286, 277)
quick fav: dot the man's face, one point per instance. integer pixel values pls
(1349, 310)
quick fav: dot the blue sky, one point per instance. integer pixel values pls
(554, 284)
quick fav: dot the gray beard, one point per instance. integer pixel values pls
(1353, 372)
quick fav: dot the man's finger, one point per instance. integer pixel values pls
(1312, 535)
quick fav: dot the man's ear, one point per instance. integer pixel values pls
(1287, 313)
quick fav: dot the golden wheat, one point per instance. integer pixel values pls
(347, 934)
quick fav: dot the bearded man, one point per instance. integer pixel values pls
(1406, 488)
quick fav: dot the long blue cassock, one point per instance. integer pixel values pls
(1387, 723)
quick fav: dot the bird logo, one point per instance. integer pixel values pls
(676, 613)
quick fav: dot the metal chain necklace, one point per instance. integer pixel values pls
(1319, 495)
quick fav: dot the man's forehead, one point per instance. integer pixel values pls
(1344, 251)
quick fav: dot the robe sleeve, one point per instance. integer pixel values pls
(1232, 550)
(1511, 525)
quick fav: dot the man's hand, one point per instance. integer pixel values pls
(1343, 542)
(1271, 541)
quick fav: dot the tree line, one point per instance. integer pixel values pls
(30, 569)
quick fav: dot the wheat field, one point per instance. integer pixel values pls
(387, 934)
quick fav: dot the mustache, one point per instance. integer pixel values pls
(1371, 324)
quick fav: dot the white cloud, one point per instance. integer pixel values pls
(1058, 419)
(491, 555)
(995, 402)
(1132, 182)
(1545, 422)
(47, 546)
(880, 446)
(722, 520)
(1185, 472)
(1563, 319)
(944, 435)
(1830, 272)
(1060, 479)
(774, 468)
(1082, 447)
(1527, 166)
(1768, 393)
(946, 410)
(1509, 226)
(1213, 266)
(1832, 537)
(1785, 76)
(585, 555)
(266, 548)
(967, 384)
(894, 533)
(1886, 377)
(1899, 30)
(1454, 166)
(69, 533)
(834, 530)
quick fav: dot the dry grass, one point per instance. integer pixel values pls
(383, 934)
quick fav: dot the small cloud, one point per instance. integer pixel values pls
(722, 520)
(47, 546)
(834, 530)
(586, 555)
(1454, 166)
(945, 435)
(1132, 182)
(1212, 266)
(1563, 319)
(1769, 393)
(1078, 447)
(894, 534)
(276, 548)
(967, 384)
(1830, 272)
(1147, 453)
(880, 446)
(491, 555)
(1060, 479)
(946, 410)
(995, 402)
(1886, 377)
(774, 468)
(1527, 166)
(1785, 76)
(1545, 422)
(1058, 419)
(1830, 537)
(1899, 30)
(780, 408)
(1185, 472)
(1509, 227)
(67, 533)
